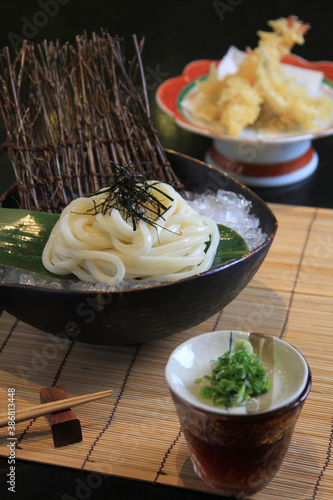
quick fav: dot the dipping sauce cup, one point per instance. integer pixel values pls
(238, 450)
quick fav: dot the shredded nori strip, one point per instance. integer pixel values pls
(133, 196)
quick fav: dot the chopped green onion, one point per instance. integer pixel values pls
(237, 376)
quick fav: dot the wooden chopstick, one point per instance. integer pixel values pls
(53, 407)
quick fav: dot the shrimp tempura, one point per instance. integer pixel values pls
(260, 93)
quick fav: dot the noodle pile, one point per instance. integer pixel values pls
(106, 248)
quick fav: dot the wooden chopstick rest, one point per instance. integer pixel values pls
(66, 427)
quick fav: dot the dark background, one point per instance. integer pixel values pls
(176, 32)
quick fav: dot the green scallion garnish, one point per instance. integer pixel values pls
(237, 376)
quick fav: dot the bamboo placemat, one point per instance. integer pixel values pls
(135, 433)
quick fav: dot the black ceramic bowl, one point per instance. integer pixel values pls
(141, 315)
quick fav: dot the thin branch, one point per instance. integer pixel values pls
(71, 113)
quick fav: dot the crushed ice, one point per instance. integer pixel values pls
(232, 210)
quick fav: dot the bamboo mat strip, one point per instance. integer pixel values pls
(136, 433)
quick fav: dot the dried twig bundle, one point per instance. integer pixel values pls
(71, 113)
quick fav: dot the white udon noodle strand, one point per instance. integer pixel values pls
(106, 249)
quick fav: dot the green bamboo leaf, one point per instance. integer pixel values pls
(231, 246)
(24, 233)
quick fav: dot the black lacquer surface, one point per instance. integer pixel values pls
(136, 316)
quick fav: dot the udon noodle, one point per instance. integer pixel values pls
(106, 248)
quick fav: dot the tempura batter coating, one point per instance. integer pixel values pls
(260, 93)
